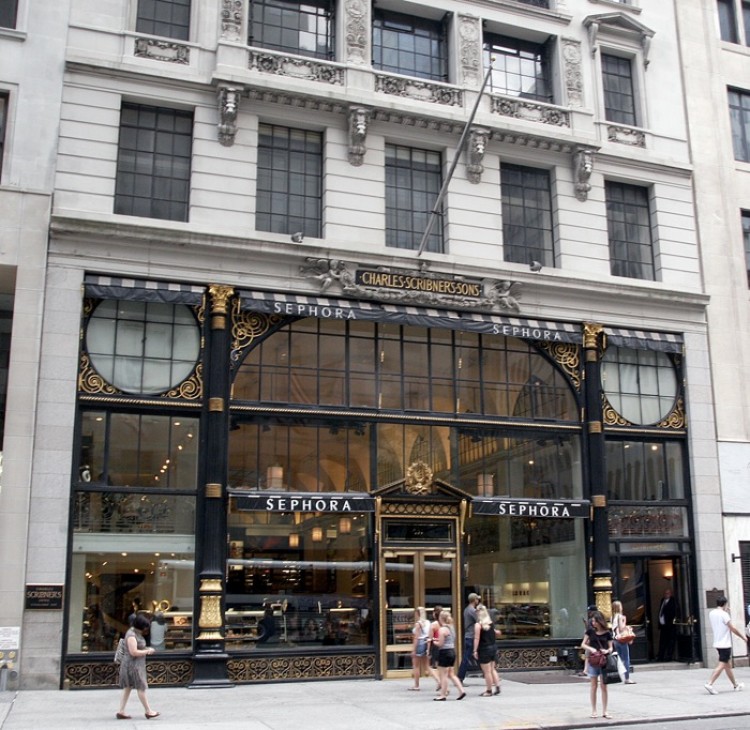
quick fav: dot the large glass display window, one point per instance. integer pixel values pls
(531, 573)
(133, 545)
(298, 580)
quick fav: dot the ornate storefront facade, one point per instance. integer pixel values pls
(281, 479)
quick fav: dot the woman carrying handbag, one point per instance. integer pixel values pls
(623, 638)
(598, 643)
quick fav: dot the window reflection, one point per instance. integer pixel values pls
(298, 580)
(645, 471)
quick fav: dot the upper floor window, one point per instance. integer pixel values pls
(290, 178)
(293, 26)
(535, 3)
(3, 124)
(8, 10)
(405, 44)
(519, 68)
(732, 28)
(167, 18)
(153, 162)
(628, 221)
(412, 183)
(619, 94)
(739, 112)
(746, 239)
(527, 215)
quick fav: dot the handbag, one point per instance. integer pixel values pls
(611, 672)
(119, 651)
(598, 659)
(626, 636)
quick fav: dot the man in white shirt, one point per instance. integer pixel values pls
(721, 625)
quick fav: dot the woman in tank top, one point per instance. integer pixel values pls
(447, 657)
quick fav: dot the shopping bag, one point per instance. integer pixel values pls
(621, 668)
(120, 651)
(610, 673)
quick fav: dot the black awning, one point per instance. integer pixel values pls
(142, 290)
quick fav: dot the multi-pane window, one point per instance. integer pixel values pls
(412, 183)
(290, 174)
(527, 215)
(8, 9)
(619, 95)
(3, 124)
(405, 44)
(167, 18)
(739, 112)
(535, 3)
(292, 26)
(746, 239)
(628, 221)
(153, 162)
(519, 68)
(730, 29)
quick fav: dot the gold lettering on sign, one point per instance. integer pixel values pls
(409, 282)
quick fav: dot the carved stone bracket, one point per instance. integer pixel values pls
(358, 120)
(583, 165)
(229, 106)
(476, 147)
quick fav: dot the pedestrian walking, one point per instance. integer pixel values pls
(722, 627)
(470, 618)
(619, 622)
(133, 667)
(434, 649)
(420, 652)
(485, 650)
(447, 657)
(598, 638)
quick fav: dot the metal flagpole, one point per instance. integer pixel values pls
(444, 187)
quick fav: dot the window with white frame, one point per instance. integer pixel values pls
(629, 225)
(619, 90)
(412, 183)
(734, 21)
(8, 13)
(290, 180)
(167, 18)
(527, 215)
(519, 68)
(739, 113)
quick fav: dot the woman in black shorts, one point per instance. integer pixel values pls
(446, 643)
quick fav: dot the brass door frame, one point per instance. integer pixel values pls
(419, 551)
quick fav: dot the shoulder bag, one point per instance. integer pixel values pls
(627, 635)
(119, 651)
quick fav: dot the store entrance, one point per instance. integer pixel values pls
(412, 578)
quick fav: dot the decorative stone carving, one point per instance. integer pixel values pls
(162, 51)
(626, 135)
(231, 20)
(299, 68)
(571, 51)
(356, 24)
(530, 111)
(476, 147)
(420, 90)
(418, 479)
(583, 165)
(229, 105)
(469, 34)
(337, 276)
(358, 119)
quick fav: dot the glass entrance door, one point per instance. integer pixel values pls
(412, 578)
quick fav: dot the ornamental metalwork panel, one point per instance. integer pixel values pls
(328, 666)
(247, 328)
(568, 356)
(675, 421)
(420, 509)
(93, 674)
(530, 657)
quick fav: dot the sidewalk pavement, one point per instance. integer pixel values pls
(529, 701)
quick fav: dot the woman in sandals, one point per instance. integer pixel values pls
(485, 650)
(133, 667)
(446, 642)
(598, 638)
(619, 622)
(420, 657)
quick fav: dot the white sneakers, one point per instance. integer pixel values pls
(712, 691)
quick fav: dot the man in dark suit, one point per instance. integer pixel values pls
(667, 616)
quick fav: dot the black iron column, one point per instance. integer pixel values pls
(210, 658)
(601, 574)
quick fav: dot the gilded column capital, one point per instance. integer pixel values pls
(591, 333)
(220, 294)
